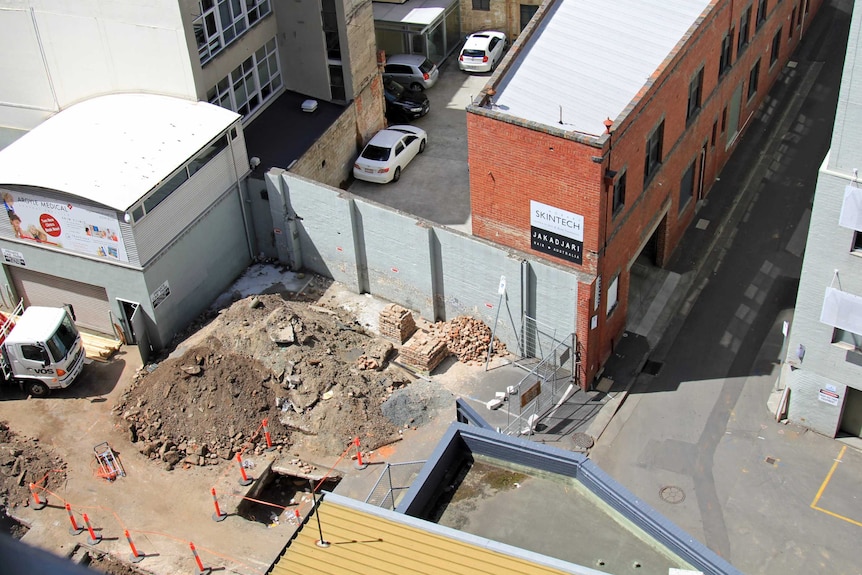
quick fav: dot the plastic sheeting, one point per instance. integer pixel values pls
(842, 310)
(851, 209)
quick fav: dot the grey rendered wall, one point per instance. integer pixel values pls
(199, 267)
(119, 281)
(302, 48)
(434, 271)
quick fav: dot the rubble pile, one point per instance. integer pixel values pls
(424, 351)
(24, 461)
(314, 373)
(469, 338)
(396, 323)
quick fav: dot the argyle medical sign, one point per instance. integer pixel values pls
(556, 232)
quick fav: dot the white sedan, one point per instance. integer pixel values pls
(388, 153)
(482, 51)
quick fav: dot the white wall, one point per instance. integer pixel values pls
(58, 52)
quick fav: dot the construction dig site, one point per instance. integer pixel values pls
(214, 456)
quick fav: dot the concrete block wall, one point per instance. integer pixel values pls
(436, 272)
(393, 256)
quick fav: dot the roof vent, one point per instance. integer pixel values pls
(309, 105)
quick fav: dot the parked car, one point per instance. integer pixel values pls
(388, 153)
(482, 51)
(403, 104)
(411, 70)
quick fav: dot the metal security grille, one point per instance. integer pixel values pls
(552, 366)
(393, 483)
(92, 309)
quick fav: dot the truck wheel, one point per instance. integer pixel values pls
(37, 389)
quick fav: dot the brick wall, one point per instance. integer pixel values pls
(510, 164)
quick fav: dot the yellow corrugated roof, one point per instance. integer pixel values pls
(362, 543)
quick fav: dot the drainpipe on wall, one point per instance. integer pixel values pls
(242, 208)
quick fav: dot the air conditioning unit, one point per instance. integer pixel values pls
(309, 106)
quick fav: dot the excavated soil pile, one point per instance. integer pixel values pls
(313, 373)
(24, 461)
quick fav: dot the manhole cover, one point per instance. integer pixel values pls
(582, 440)
(652, 367)
(672, 494)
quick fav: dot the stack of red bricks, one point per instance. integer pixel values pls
(396, 323)
(424, 351)
(469, 338)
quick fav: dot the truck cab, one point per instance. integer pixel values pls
(41, 350)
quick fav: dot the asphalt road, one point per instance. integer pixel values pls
(770, 498)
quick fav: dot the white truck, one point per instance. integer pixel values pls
(40, 349)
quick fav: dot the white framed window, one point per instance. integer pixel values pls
(613, 294)
(222, 21)
(251, 83)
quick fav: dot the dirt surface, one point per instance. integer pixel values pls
(311, 364)
(24, 461)
(316, 375)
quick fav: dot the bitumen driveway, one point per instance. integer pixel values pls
(436, 184)
(694, 437)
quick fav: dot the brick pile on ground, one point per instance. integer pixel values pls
(396, 323)
(468, 339)
(424, 351)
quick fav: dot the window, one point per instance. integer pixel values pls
(761, 13)
(686, 187)
(170, 185)
(33, 353)
(527, 12)
(724, 61)
(792, 23)
(753, 77)
(619, 194)
(695, 92)
(714, 133)
(846, 339)
(857, 242)
(329, 16)
(613, 294)
(223, 21)
(251, 83)
(776, 47)
(482, 5)
(744, 23)
(724, 119)
(652, 159)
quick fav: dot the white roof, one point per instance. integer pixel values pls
(36, 324)
(421, 12)
(591, 58)
(112, 149)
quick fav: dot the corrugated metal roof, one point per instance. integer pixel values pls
(385, 543)
(113, 149)
(588, 59)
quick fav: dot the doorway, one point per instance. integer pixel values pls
(851, 420)
(135, 327)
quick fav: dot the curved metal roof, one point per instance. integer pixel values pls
(112, 149)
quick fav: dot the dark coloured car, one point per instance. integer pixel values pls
(403, 104)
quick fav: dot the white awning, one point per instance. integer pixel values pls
(851, 209)
(842, 310)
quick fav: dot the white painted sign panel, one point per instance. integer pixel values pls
(69, 226)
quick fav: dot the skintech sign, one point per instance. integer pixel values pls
(556, 232)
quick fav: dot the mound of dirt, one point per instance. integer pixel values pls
(316, 376)
(24, 461)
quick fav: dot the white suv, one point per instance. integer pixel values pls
(482, 51)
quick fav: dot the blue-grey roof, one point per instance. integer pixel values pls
(588, 59)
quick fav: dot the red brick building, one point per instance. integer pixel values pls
(606, 125)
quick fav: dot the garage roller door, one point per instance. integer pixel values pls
(90, 302)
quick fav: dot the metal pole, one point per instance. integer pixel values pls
(320, 542)
(502, 291)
